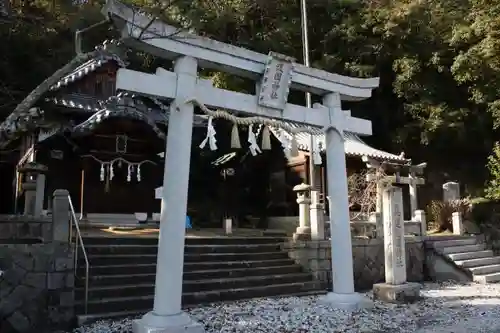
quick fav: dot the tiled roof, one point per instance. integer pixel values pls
(353, 145)
(123, 105)
(23, 120)
(77, 101)
(110, 112)
(158, 114)
(86, 68)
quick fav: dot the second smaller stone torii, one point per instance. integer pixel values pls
(412, 180)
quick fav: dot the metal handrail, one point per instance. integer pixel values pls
(79, 241)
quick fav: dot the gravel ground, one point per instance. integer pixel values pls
(446, 308)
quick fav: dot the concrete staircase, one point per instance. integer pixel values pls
(122, 273)
(471, 256)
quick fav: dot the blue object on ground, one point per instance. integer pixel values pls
(188, 223)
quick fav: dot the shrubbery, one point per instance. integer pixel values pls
(439, 212)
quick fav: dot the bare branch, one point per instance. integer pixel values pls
(363, 193)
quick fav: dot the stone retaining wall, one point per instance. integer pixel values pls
(36, 287)
(37, 271)
(24, 229)
(368, 259)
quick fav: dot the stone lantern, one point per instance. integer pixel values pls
(303, 231)
(33, 186)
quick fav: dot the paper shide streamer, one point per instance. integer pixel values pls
(289, 144)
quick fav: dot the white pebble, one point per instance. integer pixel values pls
(446, 307)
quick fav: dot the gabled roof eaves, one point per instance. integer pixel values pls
(22, 121)
(87, 68)
(353, 145)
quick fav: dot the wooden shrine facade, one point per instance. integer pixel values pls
(103, 146)
(100, 145)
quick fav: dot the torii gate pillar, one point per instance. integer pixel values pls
(167, 315)
(343, 295)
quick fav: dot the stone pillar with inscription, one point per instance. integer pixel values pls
(395, 289)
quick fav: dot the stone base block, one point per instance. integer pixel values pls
(350, 302)
(302, 234)
(401, 293)
(180, 323)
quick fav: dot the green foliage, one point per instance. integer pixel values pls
(483, 211)
(438, 61)
(493, 189)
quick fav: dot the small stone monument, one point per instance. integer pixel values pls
(395, 289)
(303, 231)
(451, 191)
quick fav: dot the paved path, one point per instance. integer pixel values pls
(466, 309)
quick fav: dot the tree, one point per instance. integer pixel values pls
(438, 62)
(493, 189)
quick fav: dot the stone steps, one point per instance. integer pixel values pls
(194, 286)
(122, 274)
(150, 240)
(82, 319)
(463, 248)
(188, 267)
(487, 278)
(470, 255)
(139, 278)
(149, 258)
(480, 270)
(455, 242)
(144, 303)
(473, 257)
(188, 249)
(472, 263)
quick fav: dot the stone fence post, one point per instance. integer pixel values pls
(457, 223)
(317, 218)
(379, 223)
(419, 216)
(61, 225)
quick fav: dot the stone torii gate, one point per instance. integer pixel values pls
(413, 180)
(274, 76)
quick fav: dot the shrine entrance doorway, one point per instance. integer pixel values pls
(120, 168)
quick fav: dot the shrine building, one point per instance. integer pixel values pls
(104, 147)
